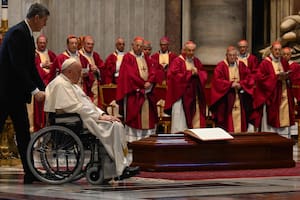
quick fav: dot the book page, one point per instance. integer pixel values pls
(209, 134)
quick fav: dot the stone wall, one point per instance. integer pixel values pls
(105, 20)
(214, 25)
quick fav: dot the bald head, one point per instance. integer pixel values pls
(243, 47)
(276, 49)
(120, 44)
(243, 43)
(189, 49)
(41, 42)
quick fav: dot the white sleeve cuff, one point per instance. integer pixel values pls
(35, 91)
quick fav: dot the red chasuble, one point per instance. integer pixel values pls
(182, 84)
(131, 85)
(223, 96)
(110, 69)
(253, 63)
(38, 112)
(295, 78)
(87, 81)
(269, 91)
(161, 73)
(43, 73)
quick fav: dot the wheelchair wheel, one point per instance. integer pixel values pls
(95, 175)
(55, 155)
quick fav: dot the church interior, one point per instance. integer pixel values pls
(173, 166)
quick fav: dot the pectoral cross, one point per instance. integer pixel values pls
(144, 68)
(234, 78)
(278, 70)
(235, 107)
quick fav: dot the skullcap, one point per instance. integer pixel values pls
(67, 63)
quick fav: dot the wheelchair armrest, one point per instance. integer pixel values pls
(65, 118)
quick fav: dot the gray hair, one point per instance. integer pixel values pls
(37, 9)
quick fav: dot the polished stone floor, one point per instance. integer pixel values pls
(274, 188)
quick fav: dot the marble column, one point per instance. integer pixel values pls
(278, 10)
(214, 25)
(296, 7)
(174, 23)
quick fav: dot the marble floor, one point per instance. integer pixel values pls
(274, 188)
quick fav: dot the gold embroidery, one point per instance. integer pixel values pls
(236, 111)
(164, 59)
(284, 117)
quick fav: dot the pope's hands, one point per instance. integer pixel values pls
(110, 118)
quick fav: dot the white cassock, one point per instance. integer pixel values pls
(61, 94)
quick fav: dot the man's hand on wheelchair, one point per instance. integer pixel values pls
(40, 96)
(110, 118)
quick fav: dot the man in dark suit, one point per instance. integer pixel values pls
(19, 78)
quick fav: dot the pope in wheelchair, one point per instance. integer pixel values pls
(63, 95)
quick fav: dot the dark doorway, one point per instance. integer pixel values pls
(261, 25)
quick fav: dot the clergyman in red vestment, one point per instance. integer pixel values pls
(162, 59)
(247, 58)
(274, 100)
(113, 62)
(134, 92)
(185, 99)
(231, 93)
(43, 61)
(94, 66)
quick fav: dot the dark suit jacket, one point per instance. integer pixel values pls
(18, 74)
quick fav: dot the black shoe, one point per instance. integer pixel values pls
(30, 178)
(129, 172)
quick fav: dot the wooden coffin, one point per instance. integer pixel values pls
(179, 152)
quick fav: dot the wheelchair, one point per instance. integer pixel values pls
(64, 152)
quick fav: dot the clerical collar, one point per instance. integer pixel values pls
(189, 59)
(137, 56)
(243, 55)
(31, 34)
(274, 59)
(119, 52)
(86, 53)
(232, 64)
(45, 51)
(166, 52)
(72, 54)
